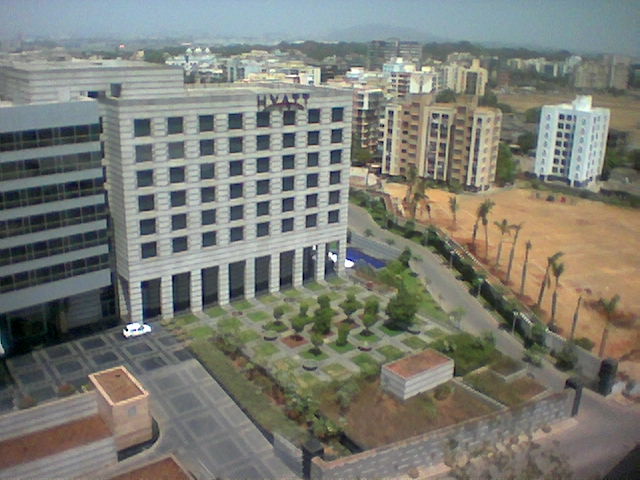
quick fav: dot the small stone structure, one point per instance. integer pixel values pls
(416, 374)
(124, 405)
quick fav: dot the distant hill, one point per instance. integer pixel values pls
(365, 33)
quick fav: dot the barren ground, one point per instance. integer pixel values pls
(601, 248)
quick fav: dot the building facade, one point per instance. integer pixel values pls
(54, 251)
(225, 192)
(368, 105)
(572, 140)
(446, 142)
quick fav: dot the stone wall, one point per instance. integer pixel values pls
(430, 448)
(288, 453)
(48, 415)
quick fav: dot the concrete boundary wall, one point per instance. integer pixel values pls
(48, 415)
(430, 449)
(288, 453)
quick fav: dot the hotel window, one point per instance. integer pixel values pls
(287, 204)
(336, 135)
(262, 208)
(313, 138)
(145, 203)
(180, 244)
(334, 197)
(311, 200)
(143, 153)
(337, 114)
(208, 217)
(179, 222)
(263, 142)
(236, 212)
(205, 123)
(236, 234)
(176, 150)
(312, 180)
(262, 229)
(312, 159)
(174, 125)
(206, 147)
(179, 198)
(262, 165)
(176, 175)
(236, 190)
(336, 156)
(148, 250)
(311, 220)
(287, 184)
(262, 187)
(289, 117)
(142, 127)
(263, 119)
(288, 162)
(235, 168)
(207, 194)
(235, 144)
(148, 226)
(288, 140)
(313, 115)
(208, 239)
(235, 121)
(144, 178)
(287, 225)
(334, 216)
(207, 171)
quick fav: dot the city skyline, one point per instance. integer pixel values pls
(591, 26)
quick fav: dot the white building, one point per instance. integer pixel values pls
(224, 192)
(572, 139)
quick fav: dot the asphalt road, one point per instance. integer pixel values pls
(606, 430)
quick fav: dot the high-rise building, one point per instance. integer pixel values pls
(442, 141)
(381, 51)
(572, 140)
(466, 80)
(54, 253)
(224, 192)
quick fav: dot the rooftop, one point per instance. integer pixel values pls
(81, 64)
(118, 384)
(165, 469)
(44, 443)
(413, 365)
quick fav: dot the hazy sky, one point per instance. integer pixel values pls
(577, 25)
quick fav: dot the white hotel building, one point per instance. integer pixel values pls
(572, 140)
(213, 193)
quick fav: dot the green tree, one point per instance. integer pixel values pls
(298, 323)
(322, 320)
(546, 279)
(489, 99)
(528, 246)
(557, 270)
(506, 168)
(610, 308)
(446, 96)
(404, 257)
(401, 309)
(505, 229)
(278, 312)
(527, 141)
(324, 301)
(532, 115)
(454, 207)
(317, 340)
(350, 306)
(567, 357)
(369, 319)
(371, 305)
(516, 227)
(343, 334)
(481, 213)
(485, 224)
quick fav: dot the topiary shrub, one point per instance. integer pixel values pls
(441, 392)
(585, 343)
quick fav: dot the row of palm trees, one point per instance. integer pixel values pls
(554, 269)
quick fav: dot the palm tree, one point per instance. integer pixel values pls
(516, 227)
(453, 206)
(547, 279)
(610, 311)
(504, 228)
(481, 214)
(418, 195)
(575, 319)
(412, 174)
(528, 246)
(558, 270)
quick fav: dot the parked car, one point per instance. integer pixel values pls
(135, 329)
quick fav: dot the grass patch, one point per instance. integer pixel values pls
(341, 348)
(246, 393)
(391, 353)
(436, 333)
(310, 355)
(242, 305)
(389, 331)
(335, 280)
(336, 371)
(285, 365)
(268, 299)
(246, 336)
(506, 366)
(216, 311)
(367, 338)
(314, 286)
(509, 393)
(468, 352)
(307, 382)
(229, 324)
(362, 360)
(292, 293)
(201, 332)
(415, 342)
(286, 308)
(185, 320)
(258, 316)
(354, 290)
(264, 350)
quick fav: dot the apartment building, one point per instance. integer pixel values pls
(466, 80)
(445, 142)
(368, 106)
(572, 140)
(224, 192)
(381, 51)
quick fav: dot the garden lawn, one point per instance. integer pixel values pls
(309, 355)
(336, 371)
(391, 353)
(216, 311)
(258, 316)
(364, 359)
(246, 336)
(242, 305)
(468, 352)
(229, 324)
(185, 320)
(341, 348)
(268, 299)
(415, 343)
(389, 331)
(314, 286)
(264, 349)
(201, 332)
(508, 393)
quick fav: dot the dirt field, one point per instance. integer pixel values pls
(600, 242)
(625, 110)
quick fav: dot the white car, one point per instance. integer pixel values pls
(135, 329)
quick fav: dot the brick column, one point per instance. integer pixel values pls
(274, 273)
(321, 254)
(250, 278)
(223, 284)
(135, 298)
(196, 290)
(297, 267)
(166, 296)
(342, 254)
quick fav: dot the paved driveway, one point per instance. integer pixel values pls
(198, 421)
